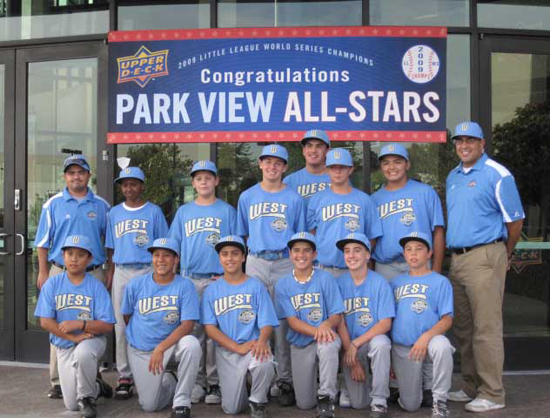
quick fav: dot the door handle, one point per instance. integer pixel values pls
(4, 235)
(22, 244)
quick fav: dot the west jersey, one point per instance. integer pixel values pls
(367, 304)
(130, 231)
(334, 216)
(307, 184)
(421, 301)
(62, 300)
(63, 215)
(414, 207)
(198, 229)
(157, 310)
(239, 311)
(312, 302)
(269, 219)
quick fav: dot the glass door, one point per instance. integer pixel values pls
(59, 113)
(515, 83)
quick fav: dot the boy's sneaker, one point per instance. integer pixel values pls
(344, 401)
(55, 392)
(274, 391)
(286, 394)
(197, 394)
(439, 410)
(124, 389)
(427, 398)
(214, 395)
(325, 407)
(258, 410)
(394, 395)
(482, 405)
(181, 412)
(104, 389)
(378, 411)
(87, 407)
(459, 396)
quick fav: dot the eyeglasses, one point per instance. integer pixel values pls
(468, 140)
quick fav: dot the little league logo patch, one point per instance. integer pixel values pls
(314, 315)
(141, 240)
(246, 317)
(171, 318)
(419, 306)
(143, 66)
(84, 316)
(212, 239)
(408, 218)
(352, 225)
(91, 215)
(279, 225)
(365, 319)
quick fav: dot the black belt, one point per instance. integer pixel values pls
(88, 269)
(464, 250)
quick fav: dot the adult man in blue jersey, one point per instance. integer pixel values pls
(485, 217)
(131, 228)
(74, 211)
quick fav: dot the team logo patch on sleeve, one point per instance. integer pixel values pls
(171, 318)
(314, 315)
(246, 317)
(279, 224)
(364, 319)
(419, 306)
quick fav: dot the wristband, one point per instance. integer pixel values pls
(83, 326)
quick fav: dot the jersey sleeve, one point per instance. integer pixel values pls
(436, 214)
(507, 195)
(103, 307)
(266, 311)
(373, 228)
(242, 216)
(232, 218)
(161, 226)
(109, 240)
(176, 227)
(300, 220)
(189, 303)
(445, 302)
(333, 297)
(45, 308)
(385, 306)
(208, 316)
(129, 301)
(283, 305)
(311, 218)
(46, 228)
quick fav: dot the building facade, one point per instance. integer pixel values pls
(53, 100)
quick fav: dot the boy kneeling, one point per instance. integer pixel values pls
(160, 310)
(237, 313)
(76, 309)
(424, 310)
(369, 309)
(309, 300)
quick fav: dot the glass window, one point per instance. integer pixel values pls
(35, 19)
(524, 14)
(2, 185)
(279, 13)
(189, 14)
(420, 12)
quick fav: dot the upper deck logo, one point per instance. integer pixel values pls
(142, 66)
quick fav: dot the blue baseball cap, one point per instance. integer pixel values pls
(204, 165)
(302, 237)
(165, 243)
(356, 238)
(339, 156)
(78, 241)
(76, 159)
(316, 134)
(394, 149)
(275, 150)
(130, 173)
(468, 129)
(231, 240)
(417, 236)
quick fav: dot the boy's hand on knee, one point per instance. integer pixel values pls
(420, 348)
(156, 360)
(358, 373)
(261, 351)
(324, 333)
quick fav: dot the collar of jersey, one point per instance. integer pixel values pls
(477, 166)
(68, 196)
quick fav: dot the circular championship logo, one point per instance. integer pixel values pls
(314, 315)
(84, 316)
(246, 317)
(172, 318)
(141, 240)
(419, 306)
(212, 239)
(91, 215)
(352, 225)
(420, 64)
(279, 224)
(365, 319)
(408, 218)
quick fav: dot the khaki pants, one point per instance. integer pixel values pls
(478, 279)
(54, 373)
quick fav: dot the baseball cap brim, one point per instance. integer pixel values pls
(403, 241)
(223, 244)
(151, 249)
(343, 242)
(291, 243)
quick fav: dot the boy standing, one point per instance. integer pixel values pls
(238, 314)
(131, 227)
(424, 312)
(310, 302)
(369, 309)
(197, 228)
(160, 309)
(76, 309)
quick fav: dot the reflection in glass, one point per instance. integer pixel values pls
(62, 119)
(420, 12)
(525, 14)
(458, 79)
(195, 14)
(2, 183)
(281, 13)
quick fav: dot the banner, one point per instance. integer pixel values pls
(273, 84)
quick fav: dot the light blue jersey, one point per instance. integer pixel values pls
(414, 207)
(307, 184)
(130, 231)
(421, 301)
(239, 311)
(62, 300)
(479, 203)
(269, 219)
(312, 302)
(157, 310)
(63, 215)
(198, 229)
(366, 304)
(334, 216)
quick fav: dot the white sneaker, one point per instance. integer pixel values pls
(482, 405)
(197, 394)
(344, 400)
(459, 396)
(214, 396)
(274, 391)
